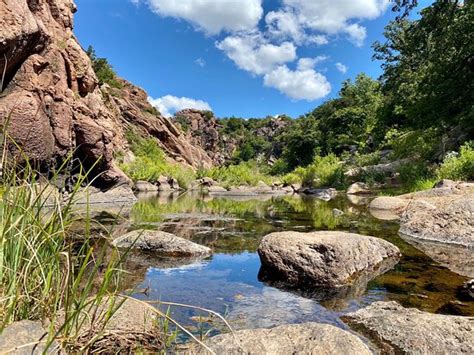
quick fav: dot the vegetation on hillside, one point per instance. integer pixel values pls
(150, 162)
(420, 110)
(103, 69)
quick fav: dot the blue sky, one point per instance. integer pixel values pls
(247, 58)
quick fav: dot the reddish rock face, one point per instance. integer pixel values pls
(52, 101)
(202, 130)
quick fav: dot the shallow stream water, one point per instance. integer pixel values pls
(228, 282)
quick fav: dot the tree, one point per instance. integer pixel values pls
(429, 66)
(104, 71)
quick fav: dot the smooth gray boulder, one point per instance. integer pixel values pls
(325, 259)
(399, 330)
(26, 332)
(306, 338)
(160, 243)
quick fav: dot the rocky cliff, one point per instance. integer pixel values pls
(203, 130)
(53, 105)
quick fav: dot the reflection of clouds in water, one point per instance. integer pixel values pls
(272, 307)
(179, 269)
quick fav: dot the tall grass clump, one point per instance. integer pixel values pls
(151, 162)
(245, 173)
(46, 273)
(326, 171)
(458, 166)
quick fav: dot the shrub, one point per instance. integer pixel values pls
(325, 171)
(151, 162)
(245, 173)
(458, 166)
(104, 71)
(415, 176)
(367, 159)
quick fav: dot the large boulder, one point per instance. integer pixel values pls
(399, 330)
(388, 203)
(306, 338)
(447, 220)
(161, 243)
(325, 259)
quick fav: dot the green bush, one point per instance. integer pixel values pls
(367, 159)
(458, 166)
(151, 162)
(415, 176)
(245, 173)
(104, 71)
(325, 171)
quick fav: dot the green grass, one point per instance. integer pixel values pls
(151, 162)
(245, 173)
(324, 171)
(459, 166)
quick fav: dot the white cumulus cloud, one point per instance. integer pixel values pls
(253, 53)
(304, 83)
(169, 104)
(303, 20)
(341, 67)
(212, 16)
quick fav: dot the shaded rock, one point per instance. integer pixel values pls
(444, 183)
(396, 329)
(323, 194)
(306, 338)
(163, 184)
(161, 243)
(456, 258)
(358, 188)
(145, 186)
(26, 332)
(325, 259)
(466, 292)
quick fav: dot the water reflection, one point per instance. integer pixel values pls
(228, 281)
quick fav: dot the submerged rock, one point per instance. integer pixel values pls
(325, 259)
(21, 333)
(162, 243)
(396, 329)
(456, 258)
(358, 188)
(306, 338)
